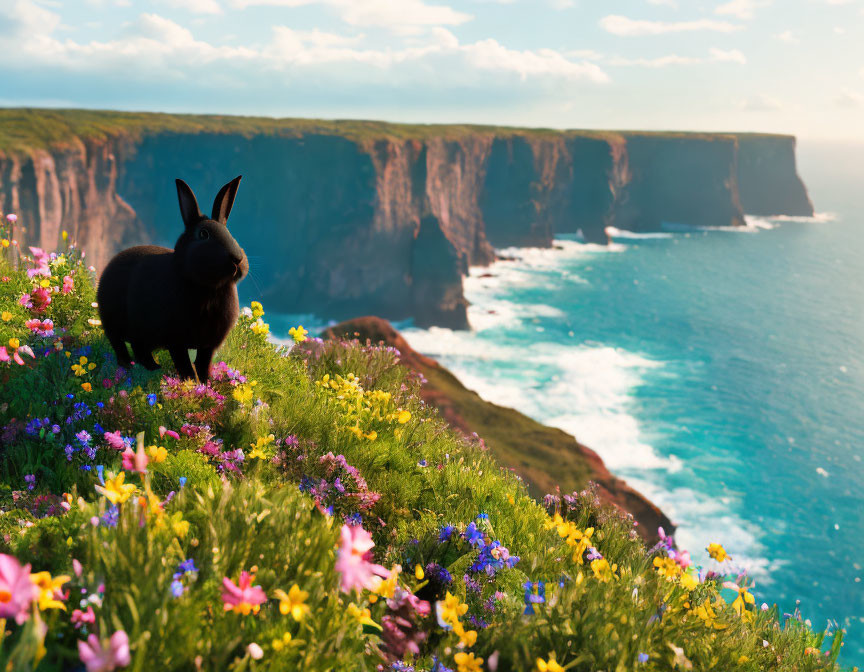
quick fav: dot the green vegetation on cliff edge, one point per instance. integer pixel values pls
(304, 510)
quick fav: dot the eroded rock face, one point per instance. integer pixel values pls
(341, 226)
(546, 458)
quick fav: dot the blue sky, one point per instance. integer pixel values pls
(794, 66)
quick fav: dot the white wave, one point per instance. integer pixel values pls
(817, 218)
(762, 223)
(703, 520)
(621, 233)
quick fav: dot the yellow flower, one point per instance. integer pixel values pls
(115, 491)
(82, 367)
(403, 417)
(705, 612)
(157, 454)
(45, 283)
(387, 587)
(179, 526)
(603, 571)
(467, 662)
(259, 446)
(467, 638)
(6, 316)
(243, 392)
(87, 387)
(667, 567)
(362, 616)
(740, 604)
(451, 609)
(48, 588)
(64, 235)
(293, 602)
(550, 665)
(717, 552)
(260, 327)
(4, 242)
(257, 309)
(298, 333)
(688, 581)
(371, 435)
(14, 343)
(419, 573)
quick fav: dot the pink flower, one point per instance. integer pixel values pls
(170, 432)
(40, 258)
(43, 328)
(4, 354)
(135, 460)
(17, 591)
(245, 598)
(68, 285)
(99, 659)
(12, 218)
(80, 618)
(353, 563)
(114, 440)
(76, 565)
(683, 559)
(38, 301)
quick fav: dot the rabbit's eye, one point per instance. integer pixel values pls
(203, 234)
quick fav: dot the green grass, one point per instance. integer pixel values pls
(421, 489)
(26, 129)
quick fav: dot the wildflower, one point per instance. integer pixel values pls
(603, 571)
(717, 552)
(467, 662)
(401, 631)
(12, 218)
(362, 616)
(81, 618)
(40, 258)
(83, 366)
(6, 316)
(550, 665)
(43, 328)
(667, 567)
(115, 440)
(243, 392)
(115, 491)
(16, 589)
(535, 593)
(294, 602)
(257, 309)
(353, 563)
(255, 651)
(135, 460)
(403, 417)
(87, 387)
(163, 432)
(450, 610)
(260, 327)
(50, 589)
(157, 454)
(151, 399)
(742, 600)
(242, 597)
(298, 333)
(97, 658)
(68, 285)
(30, 480)
(689, 581)
(418, 572)
(642, 657)
(705, 612)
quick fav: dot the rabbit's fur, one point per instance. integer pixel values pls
(181, 299)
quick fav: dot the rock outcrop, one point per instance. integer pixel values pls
(545, 457)
(343, 218)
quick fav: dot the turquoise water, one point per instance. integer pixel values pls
(721, 373)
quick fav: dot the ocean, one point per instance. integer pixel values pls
(721, 373)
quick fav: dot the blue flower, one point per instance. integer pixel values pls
(188, 566)
(472, 535)
(643, 657)
(182, 481)
(112, 515)
(100, 471)
(151, 399)
(445, 533)
(421, 463)
(177, 588)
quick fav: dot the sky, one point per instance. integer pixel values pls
(790, 66)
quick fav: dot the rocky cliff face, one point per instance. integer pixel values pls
(388, 222)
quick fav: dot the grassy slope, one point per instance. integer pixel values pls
(23, 129)
(252, 516)
(547, 458)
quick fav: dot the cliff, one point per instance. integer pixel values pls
(344, 218)
(545, 457)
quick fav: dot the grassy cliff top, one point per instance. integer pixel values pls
(23, 129)
(304, 509)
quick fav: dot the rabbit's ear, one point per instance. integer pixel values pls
(224, 200)
(188, 205)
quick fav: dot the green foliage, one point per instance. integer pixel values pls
(258, 470)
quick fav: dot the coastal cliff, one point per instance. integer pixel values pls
(546, 458)
(344, 218)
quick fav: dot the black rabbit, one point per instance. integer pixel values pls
(181, 299)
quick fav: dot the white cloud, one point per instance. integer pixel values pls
(666, 3)
(154, 48)
(742, 9)
(195, 6)
(402, 16)
(849, 98)
(624, 26)
(788, 36)
(659, 62)
(730, 56)
(760, 103)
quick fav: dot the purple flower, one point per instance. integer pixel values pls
(643, 657)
